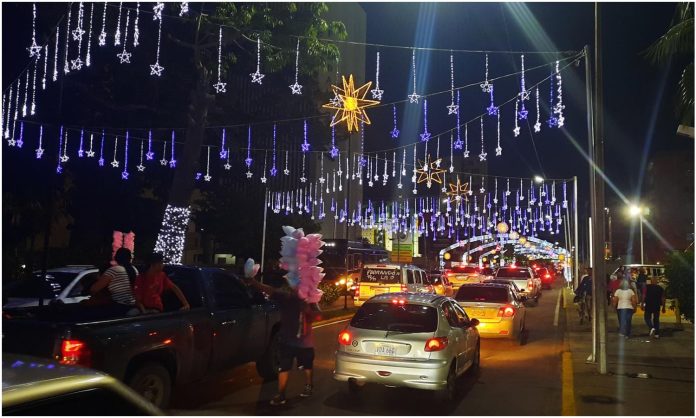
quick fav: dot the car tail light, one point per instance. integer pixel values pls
(344, 338)
(530, 284)
(75, 352)
(506, 312)
(548, 276)
(398, 302)
(357, 291)
(404, 288)
(436, 344)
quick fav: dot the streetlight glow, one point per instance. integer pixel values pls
(538, 179)
(634, 210)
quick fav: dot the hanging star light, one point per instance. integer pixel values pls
(353, 103)
(458, 189)
(429, 171)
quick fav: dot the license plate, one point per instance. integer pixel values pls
(385, 350)
(476, 313)
(379, 291)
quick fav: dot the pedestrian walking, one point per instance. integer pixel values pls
(641, 283)
(625, 302)
(652, 301)
(296, 340)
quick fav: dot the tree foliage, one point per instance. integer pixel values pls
(679, 270)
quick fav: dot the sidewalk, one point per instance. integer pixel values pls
(646, 376)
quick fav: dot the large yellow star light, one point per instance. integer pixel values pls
(352, 104)
(458, 189)
(430, 171)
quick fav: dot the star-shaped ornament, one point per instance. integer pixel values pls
(482, 190)
(207, 177)
(102, 39)
(101, 162)
(552, 122)
(273, 171)
(394, 133)
(303, 179)
(399, 186)
(150, 156)
(305, 146)
(458, 189)
(140, 167)
(524, 94)
(498, 151)
(199, 175)
(482, 156)
(458, 144)
(76, 64)
(495, 200)
(336, 101)
(227, 166)
(429, 171)
(156, 69)
(561, 121)
(413, 97)
(124, 57)
(124, 175)
(425, 136)
(334, 153)
(296, 88)
(537, 127)
(486, 87)
(249, 174)
(11, 142)
(492, 110)
(452, 109)
(34, 50)
(257, 77)
(522, 114)
(39, 153)
(59, 169)
(322, 180)
(90, 154)
(80, 153)
(516, 131)
(223, 154)
(172, 163)
(353, 104)
(220, 87)
(164, 162)
(377, 93)
(64, 159)
(466, 154)
(115, 164)
(370, 183)
(286, 172)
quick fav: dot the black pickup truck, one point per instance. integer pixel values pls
(228, 325)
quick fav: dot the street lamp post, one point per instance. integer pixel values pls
(639, 211)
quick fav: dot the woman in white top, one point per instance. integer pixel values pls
(625, 301)
(119, 279)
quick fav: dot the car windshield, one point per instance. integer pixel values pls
(466, 269)
(487, 270)
(482, 294)
(381, 275)
(400, 318)
(516, 273)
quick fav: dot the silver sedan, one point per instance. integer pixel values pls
(411, 340)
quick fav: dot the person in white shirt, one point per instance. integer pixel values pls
(625, 301)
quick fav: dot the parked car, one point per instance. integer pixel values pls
(376, 279)
(227, 325)
(523, 278)
(69, 284)
(460, 275)
(411, 340)
(34, 386)
(441, 284)
(497, 307)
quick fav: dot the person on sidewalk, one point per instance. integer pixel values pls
(641, 283)
(296, 339)
(652, 300)
(625, 302)
(583, 294)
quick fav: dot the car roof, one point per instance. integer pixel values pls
(390, 265)
(500, 285)
(68, 269)
(424, 298)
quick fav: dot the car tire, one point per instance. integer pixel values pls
(354, 388)
(449, 392)
(476, 363)
(267, 365)
(153, 382)
(523, 333)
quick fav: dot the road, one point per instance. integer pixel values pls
(513, 380)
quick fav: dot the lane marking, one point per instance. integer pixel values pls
(331, 323)
(558, 309)
(568, 389)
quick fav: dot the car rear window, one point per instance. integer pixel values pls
(482, 294)
(381, 275)
(517, 273)
(391, 317)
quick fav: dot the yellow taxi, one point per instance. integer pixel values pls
(495, 305)
(377, 279)
(466, 274)
(441, 284)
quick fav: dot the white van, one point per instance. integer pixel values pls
(376, 279)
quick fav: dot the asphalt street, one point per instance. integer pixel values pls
(514, 379)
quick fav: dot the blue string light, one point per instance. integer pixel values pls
(425, 136)
(458, 144)
(274, 170)
(101, 149)
(394, 132)
(248, 159)
(125, 174)
(81, 151)
(223, 149)
(59, 168)
(149, 155)
(305, 145)
(172, 161)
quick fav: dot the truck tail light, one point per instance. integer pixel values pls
(436, 344)
(74, 352)
(404, 288)
(506, 312)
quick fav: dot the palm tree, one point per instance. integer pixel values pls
(678, 42)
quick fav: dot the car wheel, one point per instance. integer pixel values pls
(449, 392)
(354, 387)
(153, 382)
(476, 361)
(523, 333)
(267, 365)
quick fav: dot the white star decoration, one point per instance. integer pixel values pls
(39, 152)
(124, 175)
(140, 167)
(34, 50)
(482, 156)
(286, 172)
(303, 179)
(11, 142)
(90, 154)
(124, 57)
(163, 161)
(207, 177)
(77, 34)
(452, 109)
(263, 179)
(336, 101)
(150, 155)
(322, 180)
(413, 97)
(76, 64)
(249, 174)
(156, 69)
(220, 87)
(296, 88)
(537, 127)
(257, 77)
(377, 93)
(498, 151)
(102, 39)
(486, 87)
(516, 131)
(466, 154)
(227, 166)
(115, 164)
(64, 159)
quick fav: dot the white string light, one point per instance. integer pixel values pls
(125, 56)
(141, 166)
(156, 68)
(385, 176)
(45, 69)
(257, 77)
(394, 165)
(115, 163)
(498, 149)
(66, 67)
(452, 109)
(157, 10)
(303, 179)
(537, 125)
(219, 86)
(207, 176)
(77, 35)
(413, 97)
(164, 161)
(286, 171)
(322, 180)
(2, 114)
(297, 88)
(26, 96)
(34, 49)
(227, 165)
(8, 118)
(136, 26)
(90, 153)
(88, 56)
(558, 109)
(516, 131)
(102, 34)
(483, 154)
(172, 235)
(32, 111)
(486, 86)
(451, 167)
(172, 158)
(376, 92)
(117, 34)
(466, 141)
(184, 9)
(40, 150)
(125, 173)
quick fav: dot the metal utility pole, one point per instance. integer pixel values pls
(576, 259)
(263, 236)
(599, 273)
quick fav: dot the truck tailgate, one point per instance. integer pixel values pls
(31, 337)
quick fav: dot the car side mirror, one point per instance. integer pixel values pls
(474, 322)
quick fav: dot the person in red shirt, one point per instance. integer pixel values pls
(150, 285)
